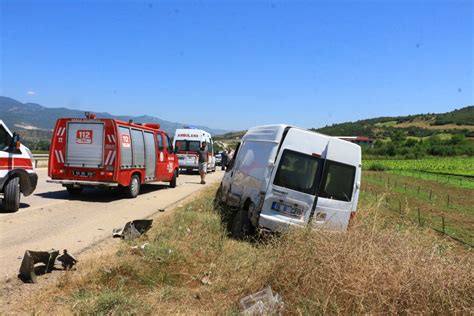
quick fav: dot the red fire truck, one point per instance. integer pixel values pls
(90, 152)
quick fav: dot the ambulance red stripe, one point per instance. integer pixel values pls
(10, 163)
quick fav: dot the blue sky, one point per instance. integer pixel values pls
(237, 64)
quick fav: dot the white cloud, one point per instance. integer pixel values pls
(30, 92)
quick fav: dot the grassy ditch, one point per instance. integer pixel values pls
(191, 265)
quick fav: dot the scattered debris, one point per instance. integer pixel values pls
(262, 303)
(139, 249)
(188, 230)
(206, 280)
(67, 261)
(133, 229)
(28, 270)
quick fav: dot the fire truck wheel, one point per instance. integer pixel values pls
(73, 190)
(134, 188)
(241, 226)
(173, 180)
(11, 199)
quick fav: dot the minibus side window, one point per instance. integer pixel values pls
(297, 171)
(5, 139)
(338, 181)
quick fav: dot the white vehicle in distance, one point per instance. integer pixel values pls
(284, 176)
(187, 142)
(218, 159)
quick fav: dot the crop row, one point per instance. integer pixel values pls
(463, 166)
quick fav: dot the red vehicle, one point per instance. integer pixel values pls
(90, 152)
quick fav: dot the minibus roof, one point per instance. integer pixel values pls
(266, 133)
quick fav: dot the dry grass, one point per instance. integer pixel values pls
(375, 268)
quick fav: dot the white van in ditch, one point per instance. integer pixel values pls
(284, 176)
(187, 142)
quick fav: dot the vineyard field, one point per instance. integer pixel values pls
(461, 166)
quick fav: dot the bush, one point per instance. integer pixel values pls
(377, 167)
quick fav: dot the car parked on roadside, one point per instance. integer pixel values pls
(218, 159)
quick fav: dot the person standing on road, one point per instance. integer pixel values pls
(225, 160)
(203, 159)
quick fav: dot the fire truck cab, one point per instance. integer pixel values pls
(109, 153)
(17, 174)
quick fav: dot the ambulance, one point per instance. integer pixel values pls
(283, 176)
(187, 142)
(17, 173)
(109, 153)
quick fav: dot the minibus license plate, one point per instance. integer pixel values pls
(287, 210)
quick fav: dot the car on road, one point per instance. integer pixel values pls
(109, 153)
(17, 172)
(282, 176)
(218, 159)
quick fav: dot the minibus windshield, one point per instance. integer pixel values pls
(297, 171)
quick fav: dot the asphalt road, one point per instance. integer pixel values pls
(51, 218)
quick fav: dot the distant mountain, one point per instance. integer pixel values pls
(34, 119)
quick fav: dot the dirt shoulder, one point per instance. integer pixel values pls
(84, 228)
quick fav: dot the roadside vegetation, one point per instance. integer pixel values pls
(192, 266)
(459, 166)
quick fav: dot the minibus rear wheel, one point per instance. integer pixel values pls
(241, 225)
